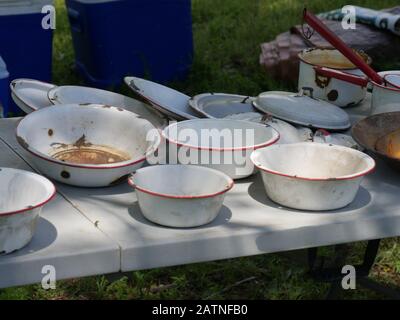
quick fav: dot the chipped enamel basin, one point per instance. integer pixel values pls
(87, 145)
(22, 196)
(221, 144)
(312, 176)
(180, 196)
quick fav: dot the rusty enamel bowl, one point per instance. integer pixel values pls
(87, 145)
(22, 197)
(380, 135)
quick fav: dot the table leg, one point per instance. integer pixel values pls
(334, 275)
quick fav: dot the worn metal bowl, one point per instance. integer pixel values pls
(179, 195)
(221, 144)
(22, 196)
(380, 135)
(87, 145)
(312, 176)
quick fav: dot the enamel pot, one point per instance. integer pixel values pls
(333, 90)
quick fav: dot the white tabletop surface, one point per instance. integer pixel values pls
(248, 224)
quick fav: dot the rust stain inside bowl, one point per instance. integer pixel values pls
(390, 144)
(92, 155)
(83, 152)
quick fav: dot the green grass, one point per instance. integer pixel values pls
(227, 36)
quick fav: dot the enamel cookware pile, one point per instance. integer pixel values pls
(301, 143)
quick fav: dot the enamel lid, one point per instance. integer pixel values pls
(222, 105)
(168, 101)
(304, 110)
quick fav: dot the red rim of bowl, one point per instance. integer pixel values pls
(41, 204)
(348, 177)
(254, 147)
(171, 196)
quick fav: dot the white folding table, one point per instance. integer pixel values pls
(88, 231)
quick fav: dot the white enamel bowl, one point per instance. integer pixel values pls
(312, 176)
(22, 196)
(105, 143)
(180, 196)
(221, 144)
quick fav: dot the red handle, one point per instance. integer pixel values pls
(326, 72)
(335, 41)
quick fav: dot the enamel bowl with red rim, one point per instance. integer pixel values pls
(312, 176)
(221, 144)
(87, 145)
(180, 196)
(22, 197)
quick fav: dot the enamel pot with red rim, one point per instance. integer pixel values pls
(385, 95)
(327, 88)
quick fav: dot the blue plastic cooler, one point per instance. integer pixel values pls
(116, 38)
(25, 46)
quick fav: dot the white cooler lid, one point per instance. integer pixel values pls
(15, 7)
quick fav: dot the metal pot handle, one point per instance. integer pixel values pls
(327, 72)
(304, 91)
